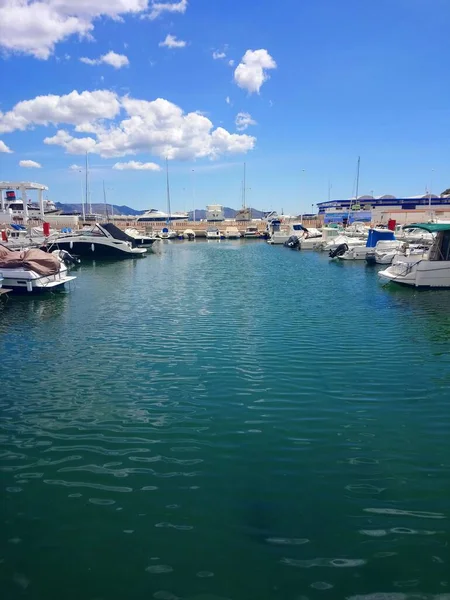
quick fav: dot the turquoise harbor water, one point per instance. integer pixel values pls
(225, 421)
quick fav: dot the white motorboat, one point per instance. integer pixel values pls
(142, 241)
(212, 233)
(340, 240)
(385, 251)
(309, 237)
(413, 235)
(357, 229)
(232, 233)
(32, 270)
(101, 241)
(251, 232)
(360, 252)
(167, 234)
(328, 235)
(431, 269)
(278, 232)
(189, 234)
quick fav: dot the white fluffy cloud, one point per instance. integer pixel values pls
(244, 120)
(111, 58)
(72, 145)
(4, 148)
(172, 42)
(134, 165)
(158, 126)
(217, 55)
(251, 72)
(35, 26)
(231, 62)
(158, 8)
(227, 100)
(29, 164)
(74, 109)
(75, 168)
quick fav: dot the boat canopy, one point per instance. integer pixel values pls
(430, 227)
(376, 235)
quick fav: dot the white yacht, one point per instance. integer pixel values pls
(15, 206)
(158, 216)
(142, 241)
(100, 241)
(431, 269)
(251, 233)
(32, 270)
(212, 233)
(232, 233)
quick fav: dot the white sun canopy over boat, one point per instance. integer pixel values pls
(24, 187)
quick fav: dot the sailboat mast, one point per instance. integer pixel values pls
(357, 179)
(87, 186)
(243, 190)
(168, 188)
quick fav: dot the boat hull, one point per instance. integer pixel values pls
(31, 282)
(91, 249)
(420, 273)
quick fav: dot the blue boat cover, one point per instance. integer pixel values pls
(376, 235)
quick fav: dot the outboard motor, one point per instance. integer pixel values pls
(339, 251)
(68, 259)
(293, 243)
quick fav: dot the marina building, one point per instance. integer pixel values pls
(380, 209)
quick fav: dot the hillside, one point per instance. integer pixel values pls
(99, 209)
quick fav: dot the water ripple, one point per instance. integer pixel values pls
(200, 420)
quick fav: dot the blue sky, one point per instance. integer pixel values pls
(352, 77)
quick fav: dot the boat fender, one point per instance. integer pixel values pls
(71, 245)
(92, 247)
(339, 251)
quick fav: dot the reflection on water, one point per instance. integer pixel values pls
(225, 420)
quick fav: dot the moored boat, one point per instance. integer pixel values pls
(430, 269)
(213, 233)
(360, 252)
(232, 233)
(32, 270)
(104, 240)
(189, 234)
(142, 241)
(251, 232)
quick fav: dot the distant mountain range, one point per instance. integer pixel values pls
(99, 209)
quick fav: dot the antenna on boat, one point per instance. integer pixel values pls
(193, 193)
(168, 188)
(87, 188)
(357, 178)
(243, 190)
(357, 190)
